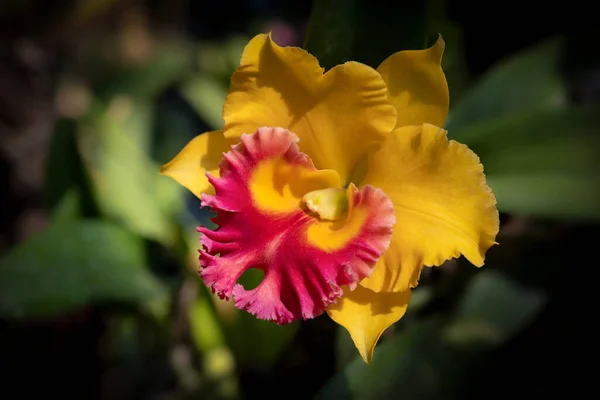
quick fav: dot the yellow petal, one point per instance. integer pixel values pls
(339, 116)
(443, 205)
(417, 85)
(200, 155)
(366, 314)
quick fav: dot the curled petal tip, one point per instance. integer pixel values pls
(261, 303)
(200, 155)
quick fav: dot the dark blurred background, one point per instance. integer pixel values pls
(99, 297)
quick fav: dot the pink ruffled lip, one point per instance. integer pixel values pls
(301, 276)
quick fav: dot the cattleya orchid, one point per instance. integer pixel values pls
(340, 186)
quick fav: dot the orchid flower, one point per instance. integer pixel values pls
(340, 186)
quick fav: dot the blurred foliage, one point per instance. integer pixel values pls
(545, 89)
(121, 239)
(72, 264)
(540, 153)
(427, 358)
(115, 144)
(337, 30)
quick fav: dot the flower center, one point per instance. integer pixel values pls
(276, 212)
(330, 204)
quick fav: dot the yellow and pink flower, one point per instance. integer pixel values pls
(339, 186)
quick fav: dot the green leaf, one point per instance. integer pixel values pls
(207, 96)
(552, 195)
(544, 163)
(220, 58)
(218, 359)
(492, 310)
(65, 170)
(67, 210)
(174, 122)
(74, 264)
(527, 81)
(561, 141)
(170, 62)
(426, 358)
(365, 31)
(116, 146)
(204, 326)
